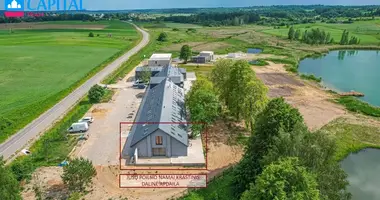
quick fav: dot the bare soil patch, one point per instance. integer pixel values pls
(51, 26)
(312, 102)
(272, 79)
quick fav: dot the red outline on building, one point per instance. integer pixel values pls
(162, 174)
(186, 169)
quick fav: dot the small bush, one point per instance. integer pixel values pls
(97, 35)
(91, 34)
(311, 77)
(175, 29)
(192, 30)
(96, 93)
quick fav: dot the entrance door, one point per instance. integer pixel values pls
(159, 151)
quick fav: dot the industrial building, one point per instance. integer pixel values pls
(175, 74)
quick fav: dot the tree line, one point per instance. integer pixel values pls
(49, 17)
(282, 158)
(216, 19)
(317, 36)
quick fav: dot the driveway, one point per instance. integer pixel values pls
(47, 119)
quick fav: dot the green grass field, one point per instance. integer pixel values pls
(366, 31)
(39, 67)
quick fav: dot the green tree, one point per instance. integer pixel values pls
(240, 76)
(220, 77)
(297, 34)
(277, 116)
(315, 152)
(185, 53)
(163, 37)
(344, 39)
(328, 39)
(9, 187)
(145, 74)
(291, 33)
(203, 105)
(254, 102)
(91, 34)
(78, 174)
(284, 179)
(96, 93)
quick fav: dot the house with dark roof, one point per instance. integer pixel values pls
(175, 74)
(160, 127)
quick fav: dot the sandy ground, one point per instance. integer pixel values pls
(310, 100)
(51, 26)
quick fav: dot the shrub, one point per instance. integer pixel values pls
(78, 174)
(311, 77)
(175, 29)
(96, 93)
(163, 37)
(91, 34)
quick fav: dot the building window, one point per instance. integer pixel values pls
(158, 140)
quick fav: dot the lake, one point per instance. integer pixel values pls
(344, 71)
(363, 169)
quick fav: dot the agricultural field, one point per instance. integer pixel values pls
(42, 62)
(367, 31)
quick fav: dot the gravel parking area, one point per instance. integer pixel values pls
(102, 146)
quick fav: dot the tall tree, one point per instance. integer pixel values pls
(220, 77)
(185, 53)
(284, 179)
(254, 101)
(276, 117)
(78, 174)
(203, 105)
(297, 34)
(316, 152)
(240, 77)
(96, 93)
(9, 187)
(291, 33)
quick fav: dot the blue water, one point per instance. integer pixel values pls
(254, 51)
(344, 71)
(363, 171)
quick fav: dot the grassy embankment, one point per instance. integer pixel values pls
(40, 67)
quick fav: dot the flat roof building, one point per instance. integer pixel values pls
(160, 60)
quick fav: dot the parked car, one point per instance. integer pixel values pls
(89, 120)
(26, 151)
(137, 83)
(78, 127)
(141, 86)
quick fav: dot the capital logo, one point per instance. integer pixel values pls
(14, 8)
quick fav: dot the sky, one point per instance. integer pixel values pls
(154, 4)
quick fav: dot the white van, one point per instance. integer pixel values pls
(78, 127)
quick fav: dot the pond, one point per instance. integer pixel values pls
(363, 170)
(344, 71)
(254, 51)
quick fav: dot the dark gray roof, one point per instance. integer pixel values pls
(163, 103)
(174, 73)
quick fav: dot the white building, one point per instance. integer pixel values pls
(208, 54)
(160, 60)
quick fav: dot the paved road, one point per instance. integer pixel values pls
(47, 119)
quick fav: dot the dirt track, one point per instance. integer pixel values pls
(51, 26)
